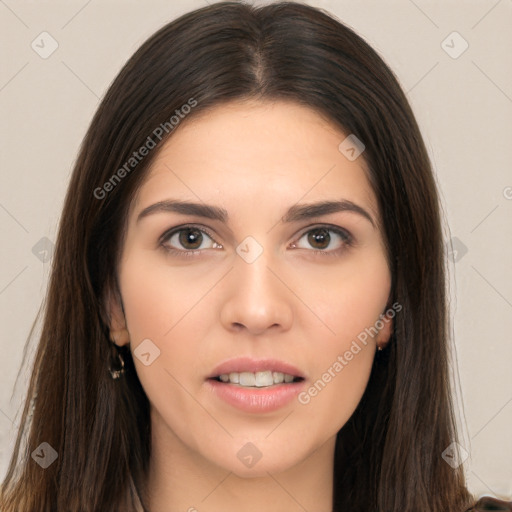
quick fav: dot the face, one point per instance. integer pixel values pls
(252, 287)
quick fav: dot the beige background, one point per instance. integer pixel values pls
(463, 105)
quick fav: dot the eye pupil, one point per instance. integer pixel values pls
(190, 236)
(320, 236)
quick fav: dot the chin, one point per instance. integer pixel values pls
(251, 462)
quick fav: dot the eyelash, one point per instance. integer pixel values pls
(346, 237)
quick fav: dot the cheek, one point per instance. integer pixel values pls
(163, 314)
(349, 302)
(338, 385)
(156, 297)
(346, 298)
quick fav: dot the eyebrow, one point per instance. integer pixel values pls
(295, 213)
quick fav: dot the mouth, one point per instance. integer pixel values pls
(262, 379)
(256, 386)
(256, 373)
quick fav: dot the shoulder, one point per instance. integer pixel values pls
(488, 503)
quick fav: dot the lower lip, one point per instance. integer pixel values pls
(256, 400)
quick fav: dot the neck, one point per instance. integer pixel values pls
(182, 480)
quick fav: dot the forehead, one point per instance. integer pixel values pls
(253, 151)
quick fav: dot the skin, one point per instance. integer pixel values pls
(255, 160)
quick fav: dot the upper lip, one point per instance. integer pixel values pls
(247, 364)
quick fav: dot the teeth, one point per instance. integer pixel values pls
(278, 377)
(257, 379)
(264, 379)
(247, 379)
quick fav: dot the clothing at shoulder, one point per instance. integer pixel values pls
(488, 503)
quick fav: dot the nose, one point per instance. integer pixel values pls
(258, 301)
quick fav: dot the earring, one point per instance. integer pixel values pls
(116, 373)
(120, 337)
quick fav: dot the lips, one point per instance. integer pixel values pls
(246, 397)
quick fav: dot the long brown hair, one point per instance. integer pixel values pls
(389, 454)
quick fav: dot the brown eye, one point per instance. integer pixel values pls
(325, 239)
(319, 238)
(190, 238)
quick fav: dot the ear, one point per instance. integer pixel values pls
(385, 333)
(117, 321)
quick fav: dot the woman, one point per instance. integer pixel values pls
(247, 302)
